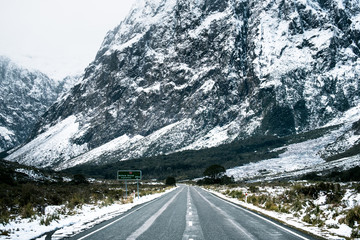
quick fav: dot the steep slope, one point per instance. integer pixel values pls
(25, 95)
(177, 75)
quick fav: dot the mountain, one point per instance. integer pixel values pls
(193, 74)
(25, 95)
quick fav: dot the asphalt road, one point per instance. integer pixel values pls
(190, 213)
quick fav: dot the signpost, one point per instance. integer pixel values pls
(125, 175)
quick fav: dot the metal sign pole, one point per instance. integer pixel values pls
(138, 188)
(124, 175)
(126, 189)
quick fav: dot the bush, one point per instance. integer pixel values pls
(170, 181)
(313, 191)
(236, 194)
(355, 233)
(313, 216)
(253, 199)
(226, 180)
(270, 205)
(353, 216)
(253, 189)
(79, 179)
(297, 205)
(214, 171)
(27, 211)
(46, 221)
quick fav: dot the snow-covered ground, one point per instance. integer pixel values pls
(305, 157)
(66, 225)
(331, 215)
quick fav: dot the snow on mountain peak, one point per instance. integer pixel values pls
(195, 74)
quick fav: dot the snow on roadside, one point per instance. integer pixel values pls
(84, 218)
(350, 199)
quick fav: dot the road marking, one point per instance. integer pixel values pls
(97, 230)
(228, 217)
(152, 219)
(193, 229)
(267, 220)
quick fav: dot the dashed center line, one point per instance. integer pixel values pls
(193, 229)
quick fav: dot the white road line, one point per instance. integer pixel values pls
(97, 230)
(152, 219)
(267, 220)
(228, 217)
(193, 228)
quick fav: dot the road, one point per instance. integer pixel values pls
(190, 213)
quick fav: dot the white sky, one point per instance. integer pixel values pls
(58, 37)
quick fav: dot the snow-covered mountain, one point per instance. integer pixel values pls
(24, 96)
(192, 74)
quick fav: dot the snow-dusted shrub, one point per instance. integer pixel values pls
(353, 216)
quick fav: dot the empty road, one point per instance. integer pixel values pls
(190, 213)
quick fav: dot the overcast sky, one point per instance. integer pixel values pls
(58, 37)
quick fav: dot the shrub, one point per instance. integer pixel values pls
(27, 211)
(253, 199)
(353, 216)
(79, 179)
(270, 205)
(46, 221)
(236, 194)
(297, 205)
(170, 181)
(253, 189)
(75, 201)
(4, 232)
(284, 209)
(4, 216)
(214, 171)
(313, 216)
(355, 233)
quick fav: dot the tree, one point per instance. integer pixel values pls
(170, 181)
(214, 171)
(79, 179)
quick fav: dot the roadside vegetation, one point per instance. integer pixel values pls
(28, 197)
(332, 207)
(330, 204)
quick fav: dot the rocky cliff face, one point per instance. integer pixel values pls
(178, 75)
(24, 96)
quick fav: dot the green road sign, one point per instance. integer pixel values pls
(129, 175)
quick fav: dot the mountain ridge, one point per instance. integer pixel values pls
(181, 75)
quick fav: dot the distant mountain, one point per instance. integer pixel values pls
(24, 96)
(192, 74)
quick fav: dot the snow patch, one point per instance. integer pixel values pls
(52, 144)
(297, 156)
(6, 133)
(207, 86)
(117, 144)
(215, 137)
(207, 22)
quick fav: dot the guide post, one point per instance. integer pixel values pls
(125, 175)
